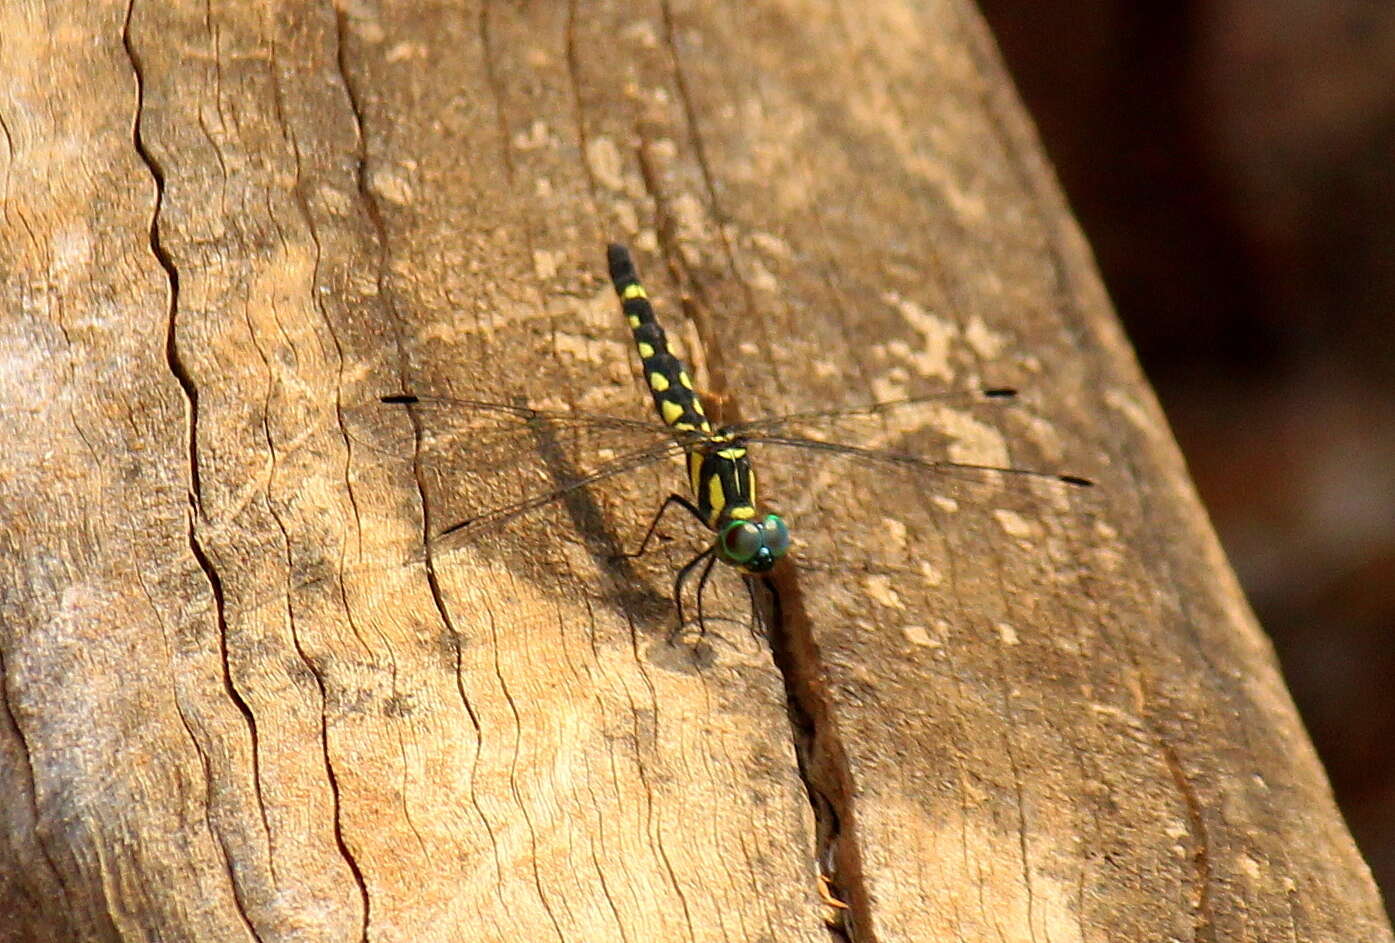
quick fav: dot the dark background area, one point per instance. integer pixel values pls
(1233, 165)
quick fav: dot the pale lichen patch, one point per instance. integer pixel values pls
(544, 264)
(895, 531)
(1015, 525)
(771, 245)
(919, 635)
(985, 341)
(880, 590)
(334, 198)
(402, 51)
(761, 279)
(626, 217)
(606, 164)
(691, 217)
(937, 333)
(1130, 408)
(391, 186)
(974, 442)
(588, 350)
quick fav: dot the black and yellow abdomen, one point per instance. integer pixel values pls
(672, 388)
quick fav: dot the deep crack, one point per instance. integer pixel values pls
(823, 762)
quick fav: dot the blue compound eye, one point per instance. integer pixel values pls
(777, 536)
(741, 541)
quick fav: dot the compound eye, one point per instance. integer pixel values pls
(777, 536)
(741, 541)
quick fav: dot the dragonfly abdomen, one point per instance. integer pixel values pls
(719, 473)
(668, 380)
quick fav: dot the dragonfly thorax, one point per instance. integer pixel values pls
(722, 480)
(724, 484)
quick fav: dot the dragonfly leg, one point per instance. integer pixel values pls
(702, 584)
(710, 554)
(757, 620)
(672, 499)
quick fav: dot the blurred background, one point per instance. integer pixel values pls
(1233, 165)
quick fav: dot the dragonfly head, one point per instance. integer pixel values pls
(754, 546)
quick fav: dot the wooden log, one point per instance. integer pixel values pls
(240, 700)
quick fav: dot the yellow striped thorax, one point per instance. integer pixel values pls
(719, 473)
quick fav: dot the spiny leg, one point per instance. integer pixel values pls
(702, 584)
(672, 499)
(710, 552)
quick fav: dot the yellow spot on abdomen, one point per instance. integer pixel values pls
(685, 379)
(633, 291)
(646, 350)
(659, 382)
(672, 411)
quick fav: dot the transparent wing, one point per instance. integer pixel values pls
(523, 414)
(478, 450)
(917, 463)
(509, 434)
(809, 481)
(499, 516)
(777, 424)
(507, 441)
(553, 454)
(784, 431)
(507, 446)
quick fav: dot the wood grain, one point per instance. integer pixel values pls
(240, 701)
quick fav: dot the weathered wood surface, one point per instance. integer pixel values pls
(234, 708)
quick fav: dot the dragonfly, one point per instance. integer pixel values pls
(721, 482)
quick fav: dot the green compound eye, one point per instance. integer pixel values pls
(741, 541)
(777, 536)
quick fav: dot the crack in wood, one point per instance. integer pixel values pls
(1204, 928)
(157, 173)
(823, 762)
(191, 396)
